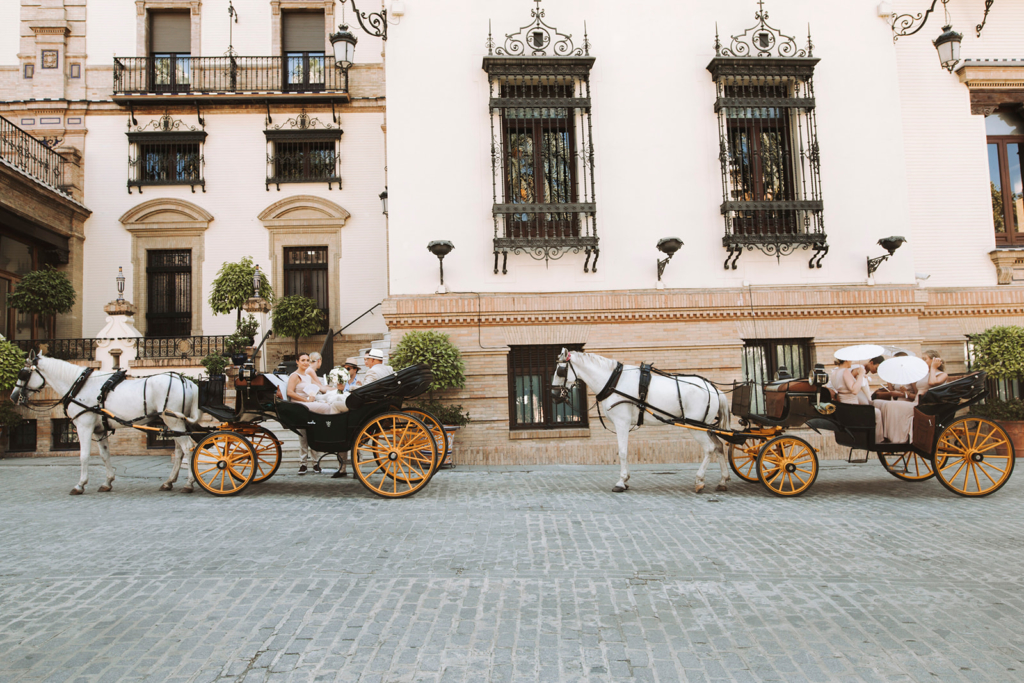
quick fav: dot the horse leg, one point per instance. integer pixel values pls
(709, 450)
(186, 445)
(85, 445)
(622, 434)
(175, 468)
(722, 458)
(104, 447)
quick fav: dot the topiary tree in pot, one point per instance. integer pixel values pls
(45, 293)
(297, 316)
(999, 353)
(233, 286)
(436, 350)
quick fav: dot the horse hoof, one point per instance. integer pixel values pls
(103, 489)
(76, 491)
(618, 489)
(721, 487)
(187, 489)
(699, 488)
(166, 487)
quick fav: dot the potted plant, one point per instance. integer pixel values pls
(12, 360)
(297, 316)
(234, 285)
(214, 364)
(248, 327)
(235, 346)
(999, 353)
(436, 350)
(46, 293)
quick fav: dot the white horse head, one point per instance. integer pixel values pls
(29, 382)
(565, 379)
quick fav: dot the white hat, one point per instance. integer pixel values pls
(375, 353)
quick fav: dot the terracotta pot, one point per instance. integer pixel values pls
(1016, 431)
(448, 460)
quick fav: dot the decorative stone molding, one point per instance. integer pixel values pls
(992, 84)
(307, 221)
(1009, 265)
(550, 334)
(167, 223)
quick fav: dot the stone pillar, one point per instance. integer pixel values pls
(118, 340)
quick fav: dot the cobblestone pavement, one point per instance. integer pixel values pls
(505, 575)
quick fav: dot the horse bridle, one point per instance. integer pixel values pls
(24, 375)
(560, 394)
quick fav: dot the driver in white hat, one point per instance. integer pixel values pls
(374, 360)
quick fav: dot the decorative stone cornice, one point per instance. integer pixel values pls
(993, 83)
(1009, 265)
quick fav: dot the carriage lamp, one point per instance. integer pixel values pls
(440, 249)
(668, 246)
(120, 283)
(256, 281)
(344, 44)
(948, 47)
(890, 244)
(384, 200)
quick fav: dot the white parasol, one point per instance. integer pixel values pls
(859, 352)
(903, 370)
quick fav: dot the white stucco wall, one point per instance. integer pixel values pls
(10, 31)
(109, 31)
(235, 172)
(656, 144)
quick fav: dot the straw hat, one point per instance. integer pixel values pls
(352, 361)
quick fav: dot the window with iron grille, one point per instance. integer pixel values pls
(765, 359)
(1005, 158)
(542, 158)
(63, 435)
(22, 438)
(154, 441)
(530, 369)
(166, 159)
(300, 159)
(169, 293)
(305, 274)
(768, 145)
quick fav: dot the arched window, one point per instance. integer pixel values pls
(1005, 130)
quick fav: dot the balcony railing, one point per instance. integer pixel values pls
(545, 232)
(184, 348)
(226, 75)
(30, 155)
(64, 349)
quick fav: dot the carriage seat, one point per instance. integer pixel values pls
(406, 383)
(325, 433)
(799, 386)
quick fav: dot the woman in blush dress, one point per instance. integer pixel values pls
(847, 380)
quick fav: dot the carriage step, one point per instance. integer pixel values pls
(849, 459)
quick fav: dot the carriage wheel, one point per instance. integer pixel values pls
(743, 459)
(223, 463)
(394, 455)
(974, 456)
(787, 466)
(909, 466)
(268, 453)
(436, 430)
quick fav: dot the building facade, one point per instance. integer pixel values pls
(779, 142)
(203, 131)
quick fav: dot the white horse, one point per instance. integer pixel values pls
(160, 397)
(691, 397)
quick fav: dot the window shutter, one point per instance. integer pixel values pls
(304, 32)
(170, 32)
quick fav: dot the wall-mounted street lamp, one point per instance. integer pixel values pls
(256, 282)
(120, 284)
(440, 249)
(344, 44)
(668, 246)
(948, 42)
(890, 244)
(384, 201)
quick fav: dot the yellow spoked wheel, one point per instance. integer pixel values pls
(974, 456)
(436, 430)
(787, 466)
(394, 455)
(743, 459)
(907, 466)
(223, 463)
(266, 446)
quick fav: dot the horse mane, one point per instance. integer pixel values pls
(600, 361)
(60, 370)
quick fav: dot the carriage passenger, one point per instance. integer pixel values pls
(849, 381)
(374, 360)
(315, 361)
(301, 390)
(936, 372)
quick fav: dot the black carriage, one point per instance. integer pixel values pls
(395, 451)
(970, 455)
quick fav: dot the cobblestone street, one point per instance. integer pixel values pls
(507, 575)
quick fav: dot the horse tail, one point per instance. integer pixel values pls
(724, 416)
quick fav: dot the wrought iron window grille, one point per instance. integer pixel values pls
(530, 369)
(166, 151)
(303, 149)
(542, 153)
(768, 144)
(305, 274)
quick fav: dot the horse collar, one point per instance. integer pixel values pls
(609, 386)
(75, 387)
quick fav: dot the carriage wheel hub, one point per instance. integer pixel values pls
(977, 457)
(790, 467)
(392, 456)
(222, 464)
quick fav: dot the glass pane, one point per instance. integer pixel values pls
(1016, 187)
(773, 166)
(15, 257)
(529, 407)
(162, 69)
(295, 70)
(5, 286)
(755, 370)
(316, 68)
(995, 182)
(181, 70)
(557, 169)
(1004, 123)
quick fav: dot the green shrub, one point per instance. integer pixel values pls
(9, 417)
(248, 327)
(215, 364)
(236, 343)
(1001, 411)
(45, 292)
(233, 286)
(12, 360)
(436, 350)
(999, 352)
(297, 316)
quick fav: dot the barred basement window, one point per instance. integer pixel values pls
(305, 274)
(764, 360)
(530, 369)
(166, 152)
(22, 438)
(156, 442)
(303, 150)
(63, 435)
(542, 158)
(768, 145)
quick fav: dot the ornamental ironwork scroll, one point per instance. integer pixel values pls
(908, 24)
(536, 38)
(763, 40)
